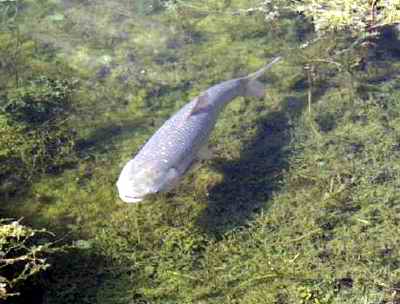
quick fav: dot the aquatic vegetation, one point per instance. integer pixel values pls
(356, 16)
(24, 253)
(299, 203)
(35, 136)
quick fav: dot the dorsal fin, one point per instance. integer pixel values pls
(201, 104)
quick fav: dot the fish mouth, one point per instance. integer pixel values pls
(131, 199)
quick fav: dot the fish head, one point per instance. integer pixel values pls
(137, 181)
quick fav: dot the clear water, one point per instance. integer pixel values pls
(270, 205)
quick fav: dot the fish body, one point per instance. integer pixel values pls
(176, 145)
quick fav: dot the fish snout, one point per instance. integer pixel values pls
(128, 193)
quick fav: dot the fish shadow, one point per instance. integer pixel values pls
(250, 181)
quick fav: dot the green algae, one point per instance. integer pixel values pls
(298, 205)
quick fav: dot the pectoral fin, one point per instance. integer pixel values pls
(201, 104)
(171, 180)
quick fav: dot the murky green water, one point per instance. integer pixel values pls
(299, 203)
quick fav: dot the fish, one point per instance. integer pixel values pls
(182, 140)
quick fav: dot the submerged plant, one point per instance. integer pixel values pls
(357, 16)
(297, 205)
(23, 254)
(35, 134)
(43, 102)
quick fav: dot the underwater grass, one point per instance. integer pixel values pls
(298, 205)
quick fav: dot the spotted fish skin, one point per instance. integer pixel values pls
(168, 154)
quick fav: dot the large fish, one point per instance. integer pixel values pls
(179, 142)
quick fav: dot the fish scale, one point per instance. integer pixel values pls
(173, 148)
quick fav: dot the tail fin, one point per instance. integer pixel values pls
(261, 71)
(255, 88)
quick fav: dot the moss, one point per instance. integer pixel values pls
(299, 203)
